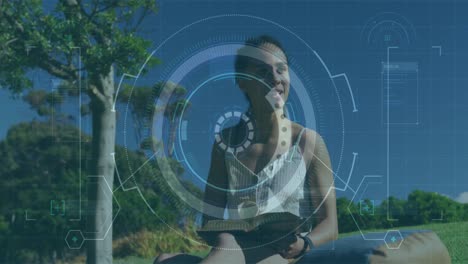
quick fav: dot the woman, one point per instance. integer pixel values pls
(286, 167)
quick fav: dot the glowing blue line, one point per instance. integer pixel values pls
(440, 49)
(349, 88)
(118, 87)
(388, 132)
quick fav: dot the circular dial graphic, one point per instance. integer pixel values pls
(189, 124)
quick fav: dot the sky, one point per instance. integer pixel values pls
(427, 127)
(421, 145)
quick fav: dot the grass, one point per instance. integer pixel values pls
(133, 260)
(454, 236)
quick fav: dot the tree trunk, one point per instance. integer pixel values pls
(53, 256)
(100, 184)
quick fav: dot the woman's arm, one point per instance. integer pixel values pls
(215, 194)
(320, 179)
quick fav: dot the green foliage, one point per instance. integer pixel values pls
(138, 99)
(104, 35)
(104, 31)
(425, 207)
(39, 169)
(133, 260)
(157, 193)
(41, 163)
(150, 143)
(44, 102)
(420, 208)
(148, 244)
(141, 100)
(345, 220)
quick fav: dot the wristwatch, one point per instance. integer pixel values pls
(307, 243)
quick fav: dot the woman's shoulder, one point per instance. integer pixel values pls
(303, 135)
(309, 141)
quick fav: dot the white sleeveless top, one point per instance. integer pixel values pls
(278, 187)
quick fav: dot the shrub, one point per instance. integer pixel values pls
(148, 244)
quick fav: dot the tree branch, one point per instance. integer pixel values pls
(82, 10)
(5, 45)
(140, 20)
(57, 69)
(44, 61)
(113, 5)
(96, 31)
(95, 92)
(14, 23)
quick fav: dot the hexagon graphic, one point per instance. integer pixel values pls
(393, 239)
(74, 239)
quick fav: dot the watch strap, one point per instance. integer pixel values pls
(307, 243)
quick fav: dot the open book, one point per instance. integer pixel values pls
(266, 226)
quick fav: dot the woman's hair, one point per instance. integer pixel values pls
(241, 62)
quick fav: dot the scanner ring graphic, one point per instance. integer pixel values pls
(303, 97)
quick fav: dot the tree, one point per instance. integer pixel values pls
(140, 101)
(464, 208)
(397, 211)
(423, 207)
(40, 164)
(38, 168)
(344, 209)
(103, 34)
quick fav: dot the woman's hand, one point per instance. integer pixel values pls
(292, 250)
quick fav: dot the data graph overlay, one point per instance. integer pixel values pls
(400, 92)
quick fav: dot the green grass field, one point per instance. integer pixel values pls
(454, 236)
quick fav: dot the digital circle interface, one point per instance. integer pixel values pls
(212, 102)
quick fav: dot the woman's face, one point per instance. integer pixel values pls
(271, 67)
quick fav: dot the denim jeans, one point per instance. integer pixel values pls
(415, 247)
(412, 247)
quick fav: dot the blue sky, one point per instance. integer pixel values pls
(428, 155)
(352, 38)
